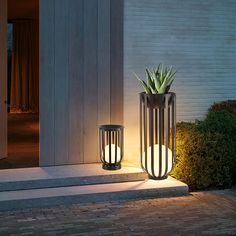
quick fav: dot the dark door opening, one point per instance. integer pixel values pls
(23, 85)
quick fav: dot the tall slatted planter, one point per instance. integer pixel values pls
(157, 133)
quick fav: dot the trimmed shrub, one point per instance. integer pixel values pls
(229, 106)
(221, 122)
(224, 123)
(206, 150)
(203, 158)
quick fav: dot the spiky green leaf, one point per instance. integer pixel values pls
(145, 87)
(150, 81)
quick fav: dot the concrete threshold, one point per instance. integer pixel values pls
(170, 187)
(67, 175)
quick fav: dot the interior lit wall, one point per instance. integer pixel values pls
(23, 9)
(3, 78)
(197, 37)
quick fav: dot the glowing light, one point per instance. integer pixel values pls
(115, 154)
(156, 160)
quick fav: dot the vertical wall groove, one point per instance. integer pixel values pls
(76, 78)
(47, 82)
(104, 93)
(54, 82)
(90, 82)
(68, 81)
(117, 9)
(61, 76)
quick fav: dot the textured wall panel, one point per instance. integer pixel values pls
(81, 77)
(197, 37)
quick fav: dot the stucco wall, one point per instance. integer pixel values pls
(197, 37)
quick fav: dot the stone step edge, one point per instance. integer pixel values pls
(14, 200)
(71, 181)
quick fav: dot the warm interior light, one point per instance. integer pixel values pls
(156, 160)
(113, 154)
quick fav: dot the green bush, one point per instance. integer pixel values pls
(229, 106)
(224, 123)
(203, 158)
(206, 150)
(221, 122)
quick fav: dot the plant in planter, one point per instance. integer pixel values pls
(157, 122)
(158, 81)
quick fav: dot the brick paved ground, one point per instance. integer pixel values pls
(202, 213)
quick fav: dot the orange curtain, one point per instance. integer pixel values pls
(25, 67)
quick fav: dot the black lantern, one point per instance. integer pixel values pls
(111, 146)
(157, 133)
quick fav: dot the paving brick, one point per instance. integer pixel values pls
(201, 213)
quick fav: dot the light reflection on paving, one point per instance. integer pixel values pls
(201, 213)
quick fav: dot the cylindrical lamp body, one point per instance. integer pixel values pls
(111, 146)
(157, 133)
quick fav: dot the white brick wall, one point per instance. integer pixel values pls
(197, 37)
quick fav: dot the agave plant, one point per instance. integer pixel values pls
(158, 80)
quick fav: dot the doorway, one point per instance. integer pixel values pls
(22, 85)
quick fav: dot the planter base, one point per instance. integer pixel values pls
(111, 166)
(156, 178)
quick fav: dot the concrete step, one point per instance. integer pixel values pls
(70, 175)
(10, 200)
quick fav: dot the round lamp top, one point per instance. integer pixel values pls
(111, 127)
